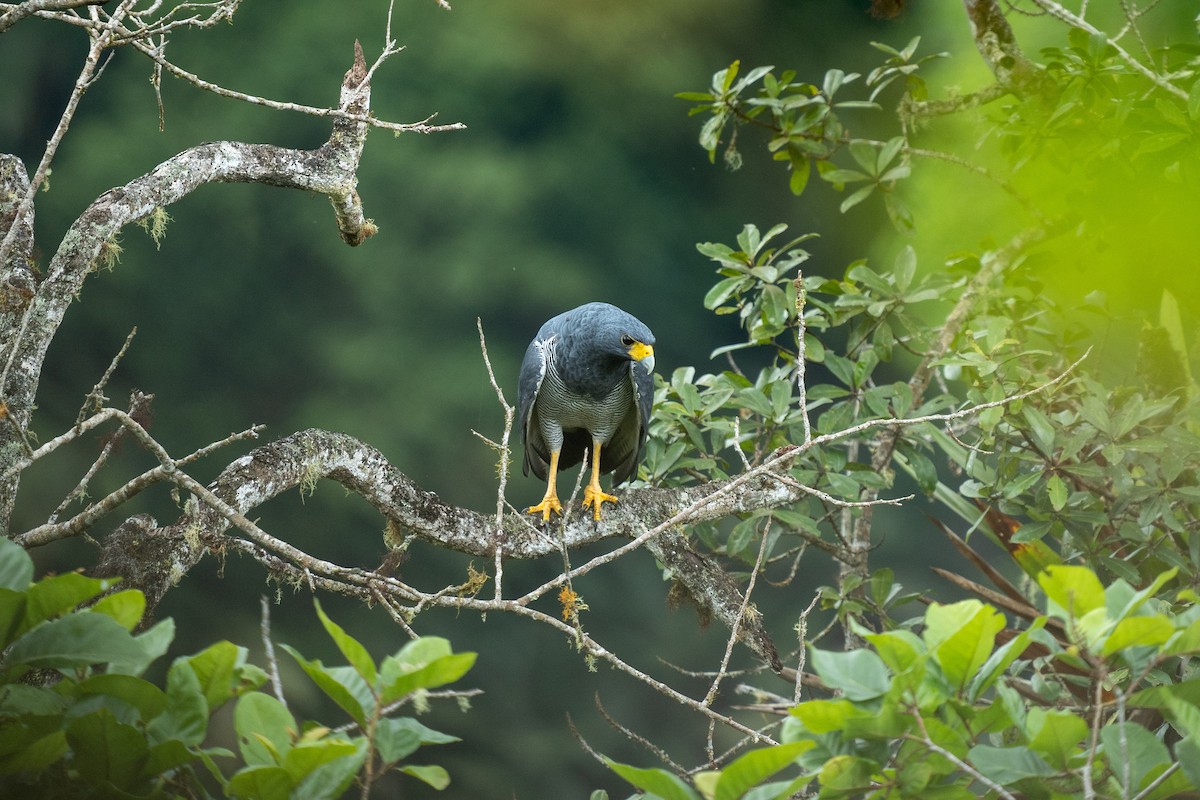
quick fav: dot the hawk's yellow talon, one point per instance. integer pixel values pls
(548, 506)
(593, 497)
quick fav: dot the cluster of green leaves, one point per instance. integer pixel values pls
(1089, 485)
(316, 762)
(1103, 469)
(873, 313)
(79, 719)
(806, 125)
(1100, 111)
(1097, 695)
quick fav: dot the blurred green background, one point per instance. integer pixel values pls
(578, 178)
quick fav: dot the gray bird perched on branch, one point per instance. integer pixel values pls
(586, 386)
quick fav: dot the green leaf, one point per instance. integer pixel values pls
(399, 738)
(435, 776)
(12, 611)
(1194, 112)
(23, 700)
(339, 686)
(52, 597)
(906, 267)
(1131, 748)
(857, 197)
(148, 699)
(723, 79)
(265, 728)
(215, 667)
(898, 213)
(1138, 632)
(722, 291)
(77, 640)
(1073, 590)
(306, 757)
(351, 648)
(186, 717)
(424, 663)
(153, 643)
(1000, 660)
(331, 780)
(1187, 752)
(36, 755)
(1160, 697)
(659, 782)
(16, 567)
(899, 649)
(1186, 640)
(749, 239)
(166, 757)
(1006, 765)
(865, 153)
(859, 674)
(103, 749)
(753, 767)
(261, 782)
(1056, 734)
(961, 636)
(845, 774)
(1121, 601)
(801, 169)
(826, 716)
(126, 607)
(710, 134)
(1056, 489)
(1184, 717)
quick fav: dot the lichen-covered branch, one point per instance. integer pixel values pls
(998, 46)
(652, 518)
(1014, 73)
(33, 310)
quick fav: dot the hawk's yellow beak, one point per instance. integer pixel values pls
(643, 353)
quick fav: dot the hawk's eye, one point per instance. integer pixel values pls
(627, 340)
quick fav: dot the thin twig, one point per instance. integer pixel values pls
(958, 762)
(269, 650)
(658, 752)
(138, 403)
(802, 652)
(735, 628)
(801, 355)
(95, 398)
(502, 449)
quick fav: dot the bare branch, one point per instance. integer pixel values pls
(330, 170)
(15, 12)
(423, 126)
(996, 43)
(269, 651)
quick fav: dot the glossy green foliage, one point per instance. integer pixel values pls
(1066, 322)
(701, 422)
(78, 719)
(967, 707)
(807, 125)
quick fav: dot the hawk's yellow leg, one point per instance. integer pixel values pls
(549, 504)
(593, 495)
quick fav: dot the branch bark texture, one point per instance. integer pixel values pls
(31, 310)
